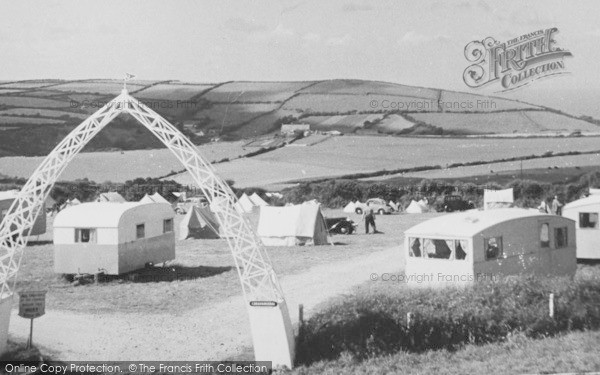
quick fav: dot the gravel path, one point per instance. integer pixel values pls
(217, 331)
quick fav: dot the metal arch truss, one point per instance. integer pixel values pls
(258, 279)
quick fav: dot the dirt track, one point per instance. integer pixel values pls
(214, 332)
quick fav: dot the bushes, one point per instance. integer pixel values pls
(371, 324)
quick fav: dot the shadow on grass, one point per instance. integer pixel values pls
(155, 274)
(39, 243)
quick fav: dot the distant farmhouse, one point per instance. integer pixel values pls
(295, 128)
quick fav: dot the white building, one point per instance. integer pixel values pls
(112, 238)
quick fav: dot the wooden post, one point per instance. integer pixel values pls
(551, 305)
(301, 314)
(30, 342)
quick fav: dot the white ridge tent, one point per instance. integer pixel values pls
(498, 198)
(594, 191)
(154, 198)
(112, 196)
(415, 208)
(199, 222)
(257, 200)
(292, 225)
(350, 207)
(244, 204)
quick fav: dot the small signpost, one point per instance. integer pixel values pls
(32, 304)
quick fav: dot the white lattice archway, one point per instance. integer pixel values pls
(269, 318)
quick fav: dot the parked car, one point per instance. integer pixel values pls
(340, 225)
(456, 203)
(378, 206)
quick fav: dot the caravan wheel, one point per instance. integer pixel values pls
(359, 211)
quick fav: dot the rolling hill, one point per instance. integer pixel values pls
(36, 114)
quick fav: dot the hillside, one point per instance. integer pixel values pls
(35, 115)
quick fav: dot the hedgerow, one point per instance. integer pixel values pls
(367, 324)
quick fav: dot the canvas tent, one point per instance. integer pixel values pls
(594, 191)
(585, 212)
(497, 198)
(257, 200)
(350, 207)
(70, 203)
(244, 204)
(199, 222)
(292, 225)
(111, 197)
(467, 247)
(416, 207)
(154, 198)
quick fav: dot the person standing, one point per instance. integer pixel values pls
(556, 206)
(369, 217)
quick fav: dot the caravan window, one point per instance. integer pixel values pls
(545, 235)
(439, 249)
(588, 220)
(85, 235)
(167, 225)
(493, 248)
(560, 237)
(140, 231)
(461, 249)
(415, 247)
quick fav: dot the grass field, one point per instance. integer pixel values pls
(19, 120)
(460, 101)
(122, 166)
(554, 163)
(241, 92)
(103, 88)
(359, 87)
(205, 270)
(225, 116)
(172, 91)
(24, 101)
(575, 352)
(41, 112)
(335, 156)
(525, 122)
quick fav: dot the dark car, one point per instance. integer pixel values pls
(340, 225)
(456, 203)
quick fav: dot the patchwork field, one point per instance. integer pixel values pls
(240, 110)
(18, 120)
(41, 113)
(102, 88)
(549, 164)
(359, 87)
(172, 91)
(524, 122)
(249, 92)
(338, 156)
(327, 123)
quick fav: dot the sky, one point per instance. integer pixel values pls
(410, 42)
